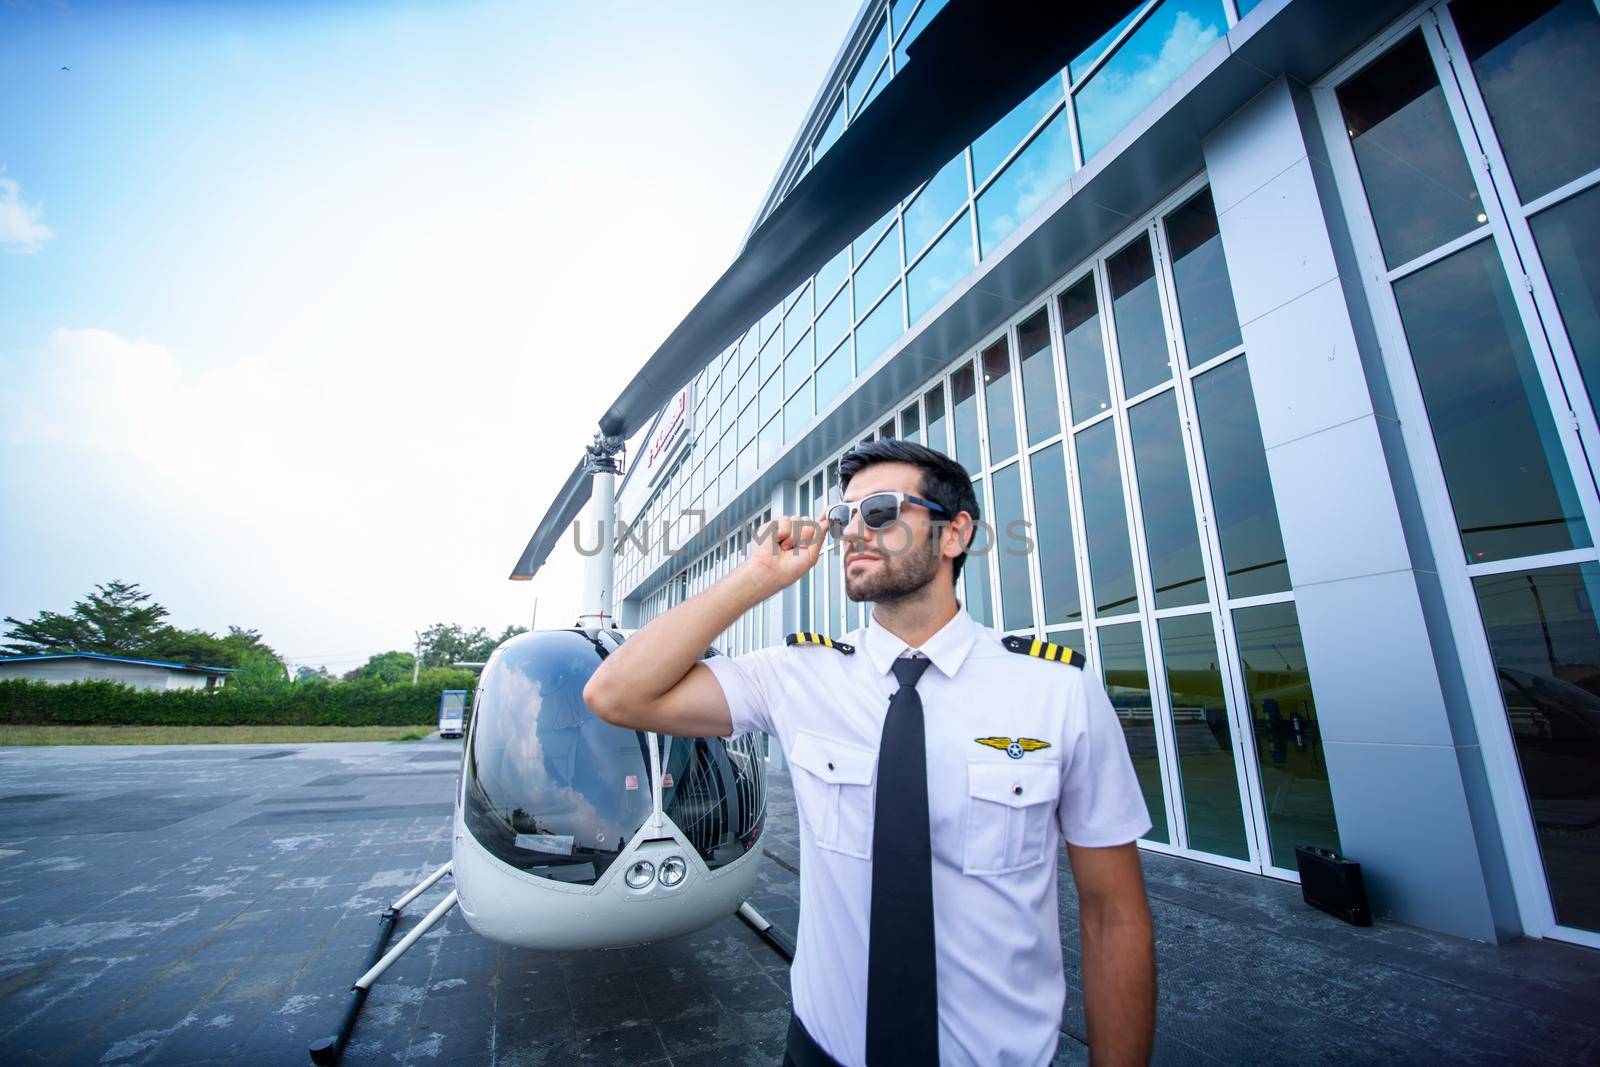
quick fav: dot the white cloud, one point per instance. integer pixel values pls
(20, 228)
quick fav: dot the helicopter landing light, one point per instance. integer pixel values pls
(673, 868)
(641, 874)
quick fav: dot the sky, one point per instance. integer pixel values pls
(307, 309)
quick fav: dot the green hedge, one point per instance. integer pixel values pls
(307, 704)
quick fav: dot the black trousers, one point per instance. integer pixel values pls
(802, 1049)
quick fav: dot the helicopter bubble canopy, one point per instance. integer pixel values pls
(554, 791)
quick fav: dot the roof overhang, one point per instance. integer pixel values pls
(951, 90)
(1156, 153)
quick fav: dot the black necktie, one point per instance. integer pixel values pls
(902, 989)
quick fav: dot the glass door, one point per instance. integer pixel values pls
(1465, 144)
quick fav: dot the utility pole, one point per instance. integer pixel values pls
(416, 658)
(535, 621)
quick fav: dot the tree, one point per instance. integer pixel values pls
(120, 619)
(259, 672)
(117, 619)
(386, 667)
(443, 644)
(312, 674)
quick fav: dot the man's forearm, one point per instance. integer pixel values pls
(1119, 985)
(656, 658)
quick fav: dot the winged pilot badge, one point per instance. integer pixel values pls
(1013, 748)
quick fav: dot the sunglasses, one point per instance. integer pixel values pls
(877, 511)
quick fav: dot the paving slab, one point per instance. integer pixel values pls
(212, 904)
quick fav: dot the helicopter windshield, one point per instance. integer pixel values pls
(551, 788)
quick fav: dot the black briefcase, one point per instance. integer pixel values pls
(1333, 883)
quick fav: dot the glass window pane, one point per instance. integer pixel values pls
(1415, 175)
(830, 132)
(747, 425)
(797, 366)
(910, 428)
(997, 142)
(1136, 313)
(1080, 66)
(926, 215)
(798, 318)
(832, 275)
(1283, 713)
(1568, 236)
(1026, 183)
(771, 356)
(937, 272)
(886, 431)
(769, 322)
(919, 22)
(1170, 533)
(933, 404)
(867, 68)
(1546, 646)
(861, 245)
(1127, 682)
(1038, 377)
(1205, 297)
(1016, 590)
(997, 402)
(881, 268)
(747, 466)
(964, 401)
(879, 330)
(1052, 523)
(1503, 462)
(748, 345)
(834, 322)
(797, 413)
(1105, 522)
(1241, 489)
(747, 387)
(1204, 741)
(980, 599)
(1151, 59)
(1538, 66)
(834, 374)
(770, 399)
(1087, 387)
(769, 441)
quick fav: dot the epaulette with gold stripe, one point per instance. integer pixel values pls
(1032, 646)
(805, 638)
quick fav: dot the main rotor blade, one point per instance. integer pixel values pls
(974, 62)
(568, 503)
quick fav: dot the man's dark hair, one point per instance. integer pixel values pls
(944, 481)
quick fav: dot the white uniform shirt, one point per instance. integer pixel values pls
(994, 819)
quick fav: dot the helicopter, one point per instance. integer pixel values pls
(569, 832)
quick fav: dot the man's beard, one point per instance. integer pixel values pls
(897, 575)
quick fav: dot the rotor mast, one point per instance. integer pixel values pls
(600, 515)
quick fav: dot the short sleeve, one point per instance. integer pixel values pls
(1101, 803)
(750, 683)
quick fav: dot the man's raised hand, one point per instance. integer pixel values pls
(784, 549)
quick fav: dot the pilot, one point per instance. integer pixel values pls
(934, 763)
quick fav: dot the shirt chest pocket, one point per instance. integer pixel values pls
(833, 788)
(1009, 810)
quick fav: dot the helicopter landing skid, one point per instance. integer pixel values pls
(328, 1050)
(767, 932)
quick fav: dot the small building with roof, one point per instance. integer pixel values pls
(63, 668)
